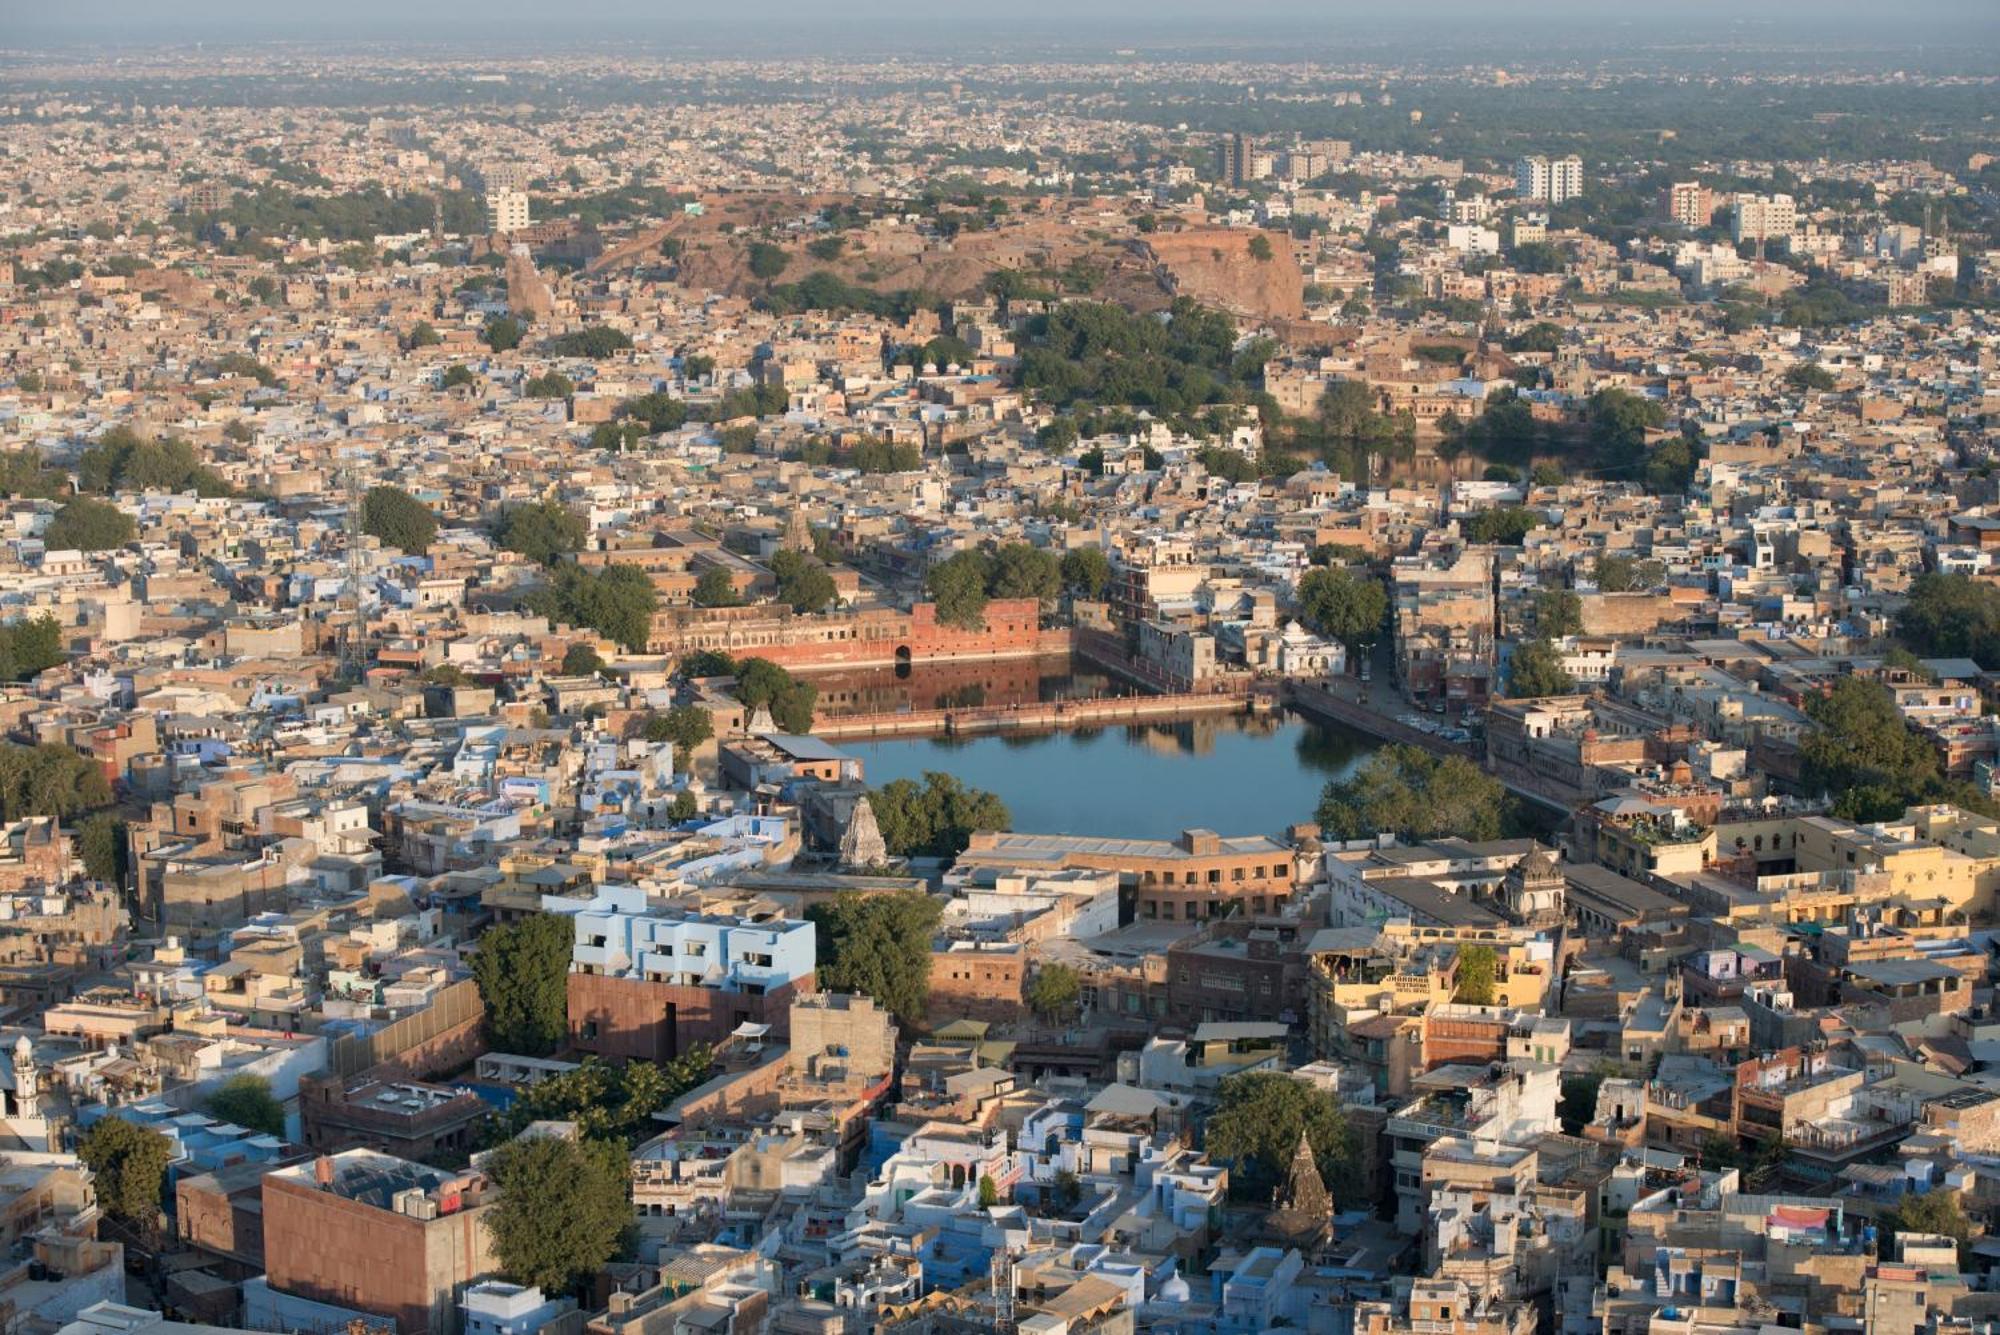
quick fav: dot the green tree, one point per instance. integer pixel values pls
(1952, 616)
(1535, 670)
(1344, 604)
(766, 260)
(563, 1213)
(596, 342)
(1623, 574)
(1863, 751)
(1476, 968)
(503, 333)
(617, 602)
(544, 531)
(1087, 571)
(85, 525)
(1809, 375)
(684, 807)
(522, 970)
(762, 683)
(958, 586)
(29, 647)
(247, 1101)
(101, 843)
(803, 583)
(398, 519)
(1619, 421)
(1256, 1127)
(422, 335)
(1507, 525)
(715, 588)
(687, 727)
(989, 1193)
(1558, 612)
(1937, 1211)
(457, 376)
(1023, 571)
(1260, 248)
(1408, 792)
(49, 779)
(130, 1164)
(936, 818)
(549, 385)
(1054, 991)
(582, 660)
(880, 947)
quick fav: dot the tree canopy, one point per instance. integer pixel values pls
(1952, 616)
(564, 1210)
(29, 646)
(85, 525)
(880, 947)
(49, 779)
(1343, 604)
(130, 1163)
(398, 519)
(522, 970)
(1415, 795)
(122, 460)
(617, 602)
(543, 531)
(803, 583)
(686, 726)
(714, 587)
(247, 1101)
(1256, 1127)
(936, 818)
(1535, 670)
(1086, 571)
(760, 682)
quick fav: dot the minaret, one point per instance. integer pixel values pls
(27, 1080)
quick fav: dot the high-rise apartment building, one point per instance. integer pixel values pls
(497, 176)
(1551, 179)
(506, 211)
(1688, 203)
(1762, 217)
(1232, 161)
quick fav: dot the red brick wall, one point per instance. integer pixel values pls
(850, 639)
(984, 987)
(325, 1247)
(656, 1021)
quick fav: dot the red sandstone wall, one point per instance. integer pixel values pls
(635, 1018)
(851, 639)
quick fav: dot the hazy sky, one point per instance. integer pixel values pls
(751, 24)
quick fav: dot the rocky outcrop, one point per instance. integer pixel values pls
(1214, 266)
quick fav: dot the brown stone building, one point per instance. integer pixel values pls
(1199, 875)
(626, 1018)
(979, 979)
(404, 1118)
(376, 1234)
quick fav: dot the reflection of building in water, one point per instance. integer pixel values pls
(1196, 736)
(992, 683)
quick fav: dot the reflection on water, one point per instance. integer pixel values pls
(1234, 775)
(995, 682)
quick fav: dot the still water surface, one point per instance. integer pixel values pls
(1233, 775)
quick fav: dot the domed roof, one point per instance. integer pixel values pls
(1175, 1290)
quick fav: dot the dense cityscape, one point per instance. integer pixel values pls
(1001, 687)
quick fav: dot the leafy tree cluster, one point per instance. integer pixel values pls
(1810, 375)
(1054, 991)
(1098, 353)
(457, 376)
(879, 946)
(715, 587)
(129, 1162)
(1952, 616)
(122, 460)
(544, 531)
(49, 779)
(766, 260)
(356, 215)
(1866, 755)
(760, 683)
(870, 455)
(1343, 604)
(753, 401)
(1086, 571)
(1477, 966)
(1625, 574)
(247, 1101)
(504, 333)
(522, 971)
(582, 660)
(686, 726)
(1535, 670)
(617, 602)
(1507, 525)
(398, 519)
(962, 584)
(24, 476)
(609, 1104)
(87, 524)
(549, 385)
(595, 342)
(243, 364)
(564, 1210)
(1407, 791)
(803, 583)
(823, 291)
(1258, 1120)
(934, 819)
(29, 646)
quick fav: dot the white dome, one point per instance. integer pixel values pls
(1175, 1290)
